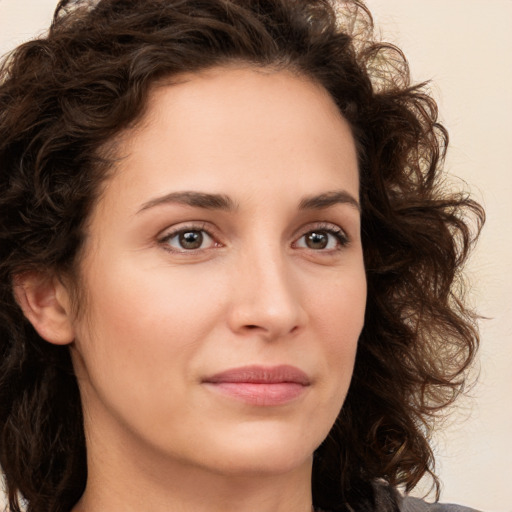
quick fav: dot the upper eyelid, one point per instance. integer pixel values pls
(187, 226)
(320, 225)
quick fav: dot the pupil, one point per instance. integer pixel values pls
(191, 240)
(317, 240)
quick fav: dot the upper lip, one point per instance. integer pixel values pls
(256, 374)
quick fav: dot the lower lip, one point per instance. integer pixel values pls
(265, 394)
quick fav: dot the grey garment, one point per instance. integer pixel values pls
(416, 505)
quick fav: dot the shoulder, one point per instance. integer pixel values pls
(409, 504)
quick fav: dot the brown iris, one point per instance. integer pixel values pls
(191, 239)
(317, 240)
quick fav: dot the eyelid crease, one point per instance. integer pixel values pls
(183, 227)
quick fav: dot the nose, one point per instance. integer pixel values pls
(266, 298)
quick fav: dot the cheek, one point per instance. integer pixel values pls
(136, 346)
(139, 325)
(339, 318)
(339, 308)
(130, 300)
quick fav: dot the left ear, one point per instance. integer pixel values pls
(46, 304)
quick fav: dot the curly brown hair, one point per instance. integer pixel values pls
(63, 97)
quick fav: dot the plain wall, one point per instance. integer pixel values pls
(464, 46)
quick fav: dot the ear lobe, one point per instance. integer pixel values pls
(45, 303)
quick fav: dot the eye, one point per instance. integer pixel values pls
(322, 239)
(188, 239)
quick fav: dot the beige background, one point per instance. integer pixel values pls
(465, 47)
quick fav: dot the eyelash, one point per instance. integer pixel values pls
(331, 229)
(196, 228)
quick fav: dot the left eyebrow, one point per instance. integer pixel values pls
(328, 199)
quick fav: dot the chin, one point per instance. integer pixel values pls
(265, 452)
(262, 463)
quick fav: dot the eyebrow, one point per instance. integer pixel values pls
(225, 203)
(195, 199)
(328, 199)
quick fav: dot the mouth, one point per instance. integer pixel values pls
(260, 385)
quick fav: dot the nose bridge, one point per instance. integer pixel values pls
(267, 298)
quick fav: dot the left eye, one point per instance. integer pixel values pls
(189, 240)
(320, 239)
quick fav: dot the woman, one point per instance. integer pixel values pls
(230, 274)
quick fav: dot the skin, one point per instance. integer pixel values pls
(161, 318)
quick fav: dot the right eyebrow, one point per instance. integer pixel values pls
(194, 199)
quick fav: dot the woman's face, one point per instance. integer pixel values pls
(224, 278)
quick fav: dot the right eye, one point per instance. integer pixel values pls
(188, 240)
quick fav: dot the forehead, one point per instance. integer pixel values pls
(236, 130)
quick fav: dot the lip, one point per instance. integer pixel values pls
(260, 385)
